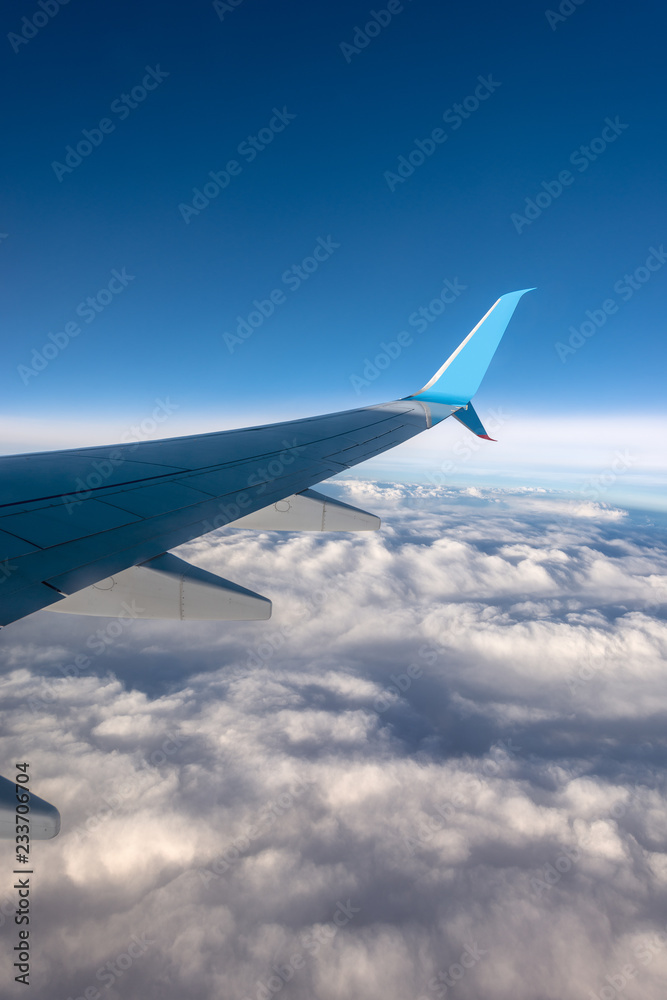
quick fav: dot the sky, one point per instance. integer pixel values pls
(438, 770)
(347, 116)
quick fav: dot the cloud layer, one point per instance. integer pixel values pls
(606, 457)
(438, 770)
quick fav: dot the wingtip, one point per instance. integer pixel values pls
(458, 379)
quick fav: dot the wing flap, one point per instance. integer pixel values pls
(44, 818)
(167, 587)
(309, 511)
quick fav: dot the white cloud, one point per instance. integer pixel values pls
(225, 788)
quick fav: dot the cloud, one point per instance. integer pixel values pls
(438, 770)
(599, 457)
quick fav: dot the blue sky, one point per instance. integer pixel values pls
(218, 76)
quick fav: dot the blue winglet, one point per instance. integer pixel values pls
(467, 415)
(459, 378)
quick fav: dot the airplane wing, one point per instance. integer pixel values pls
(88, 530)
(28, 812)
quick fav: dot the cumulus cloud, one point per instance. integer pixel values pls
(438, 770)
